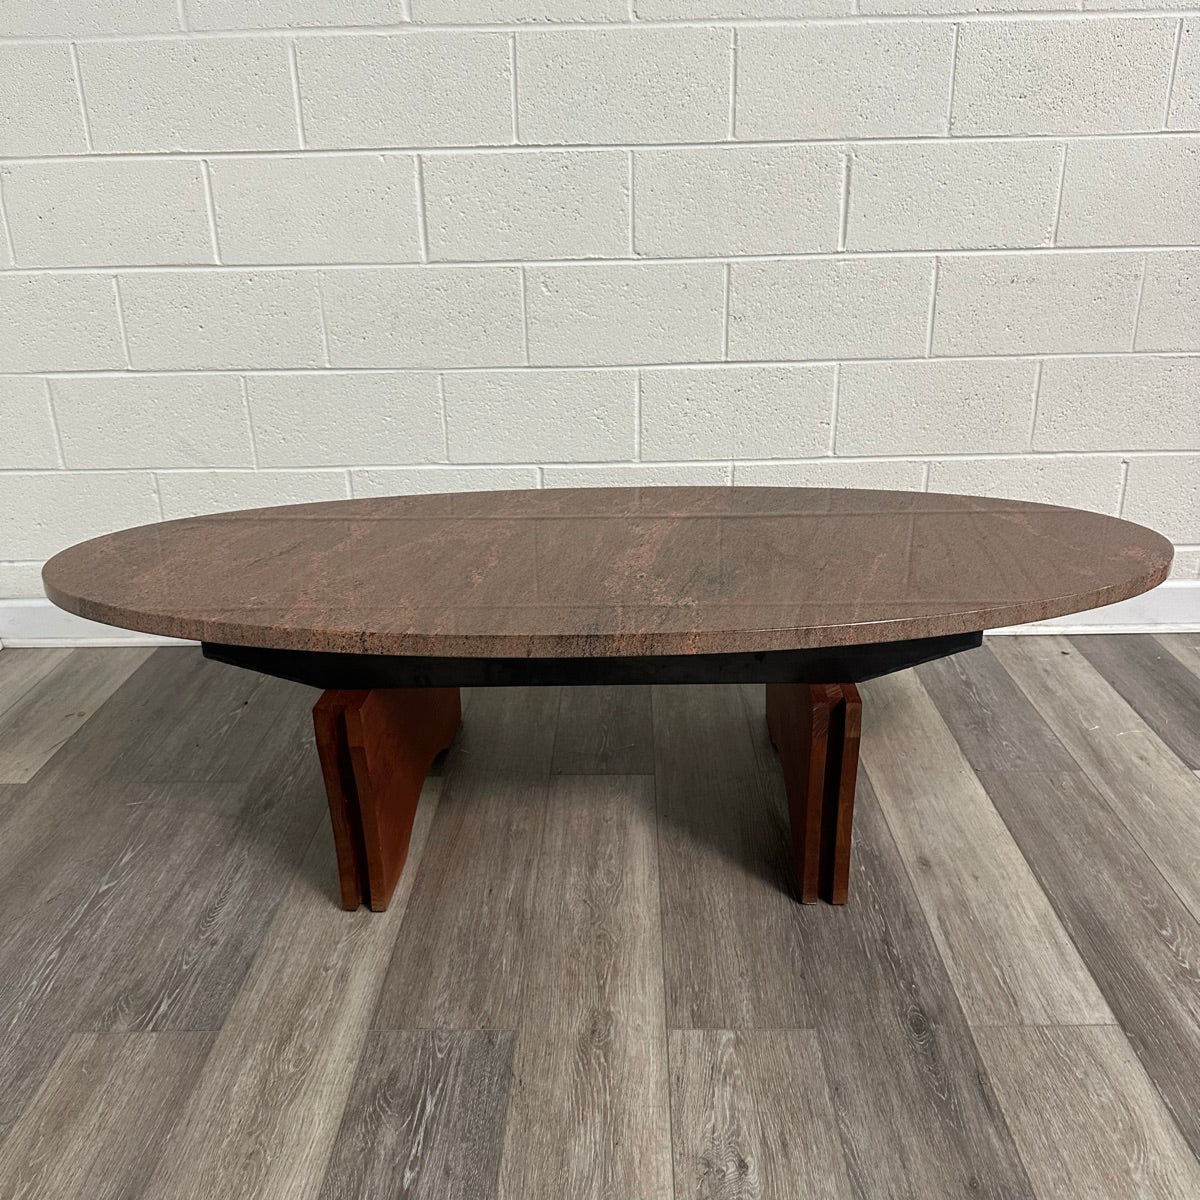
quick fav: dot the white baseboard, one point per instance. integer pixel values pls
(40, 623)
(1173, 607)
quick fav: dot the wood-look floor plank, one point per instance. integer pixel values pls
(1147, 785)
(425, 1117)
(589, 1112)
(57, 848)
(267, 1107)
(137, 907)
(1132, 931)
(510, 732)
(1155, 682)
(1086, 1119)
(915, 1114)
(1135, 935)
(1184, 646)
(752, 1118)
(729, 920)
(27, 1052)
(990, 734)
(164, 931)
(917, 1117)
(460, 954)
(21, 669)
(58, 704)
(213, 862)
(1009, 957)
(182, 717)
(97, 1125)
(604, 731)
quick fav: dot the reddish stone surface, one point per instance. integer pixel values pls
(607, 571)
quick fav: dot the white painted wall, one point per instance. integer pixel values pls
(260, 251)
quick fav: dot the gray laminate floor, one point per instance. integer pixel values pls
(592, 982)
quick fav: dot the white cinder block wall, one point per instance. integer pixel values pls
(258, 251)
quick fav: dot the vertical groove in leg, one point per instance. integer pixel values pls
(815, 730)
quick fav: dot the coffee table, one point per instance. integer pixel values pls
(391, 604)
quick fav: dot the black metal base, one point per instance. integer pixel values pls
(831, 664)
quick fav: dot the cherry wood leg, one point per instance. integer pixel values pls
(376, 748)
(815, 730)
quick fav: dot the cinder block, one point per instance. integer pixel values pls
(623, 85)
(675, 10)
(934, 7)
(412, 89)
(960, 407)
(536, 416)
(318, 209)
(45, 512)
(1184, 108)
(1186, 565)
(948, 196)
(424, 317)
(502, 12)
(527, 204)
(736, 412)
(340, 418)
(889, 474)
(1169, 318)
(603, 475)
(39, 101)
(1131, 192)
(737, 200)
(1076, 75)
(829, 308)
(846, 80)
(21, 581)
(153, 421)
(38, 18)
(617, 314)
(1036, 303)
(101, 212)
(1123, 402)
(189, 94)
(59, 323)
(287, 14)
(28, 438)
(1080, 482)
(193, 493)
(191, 320)
(1163, 491)
(414, 481)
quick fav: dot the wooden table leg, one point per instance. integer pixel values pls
(815, 730)
(376, 748)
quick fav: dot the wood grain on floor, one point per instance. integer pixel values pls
(753, 1116)
(425, 1118)
(1155, 795)
(1011, 960)
(1086, 1118)
(96, 1125)
(41, 719)
(1156, 683)
(588, 1110)
(592, 981)
(1133, 932)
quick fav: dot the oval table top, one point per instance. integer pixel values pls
(584, 572)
